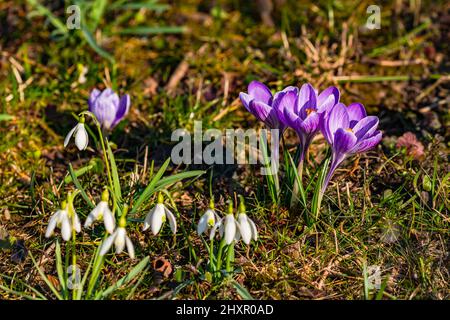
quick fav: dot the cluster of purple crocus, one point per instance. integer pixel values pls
(347, 129)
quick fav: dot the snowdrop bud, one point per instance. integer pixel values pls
(105, 195)
(123, 217)
(160, 198)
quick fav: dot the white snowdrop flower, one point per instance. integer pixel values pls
(247, 228)
(208, 219)
(66, 219)
(102, 211)
(158, 215)
(119, 238)
(228, 227)
(81, 135)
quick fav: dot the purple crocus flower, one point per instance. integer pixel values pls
(348, 130)
(258, 101)
(108, 108)
(301, 109)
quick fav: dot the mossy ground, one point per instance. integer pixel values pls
(383, 193)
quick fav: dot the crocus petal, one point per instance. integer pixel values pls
(52, 224)
(311, 124)
(119, 241)
(264, 113)
(306, 95)
(260, 92)
(157, 218)
(69, 135)
(244, 228)
(109, 220)
(107, 243)
(245, 99)
(148, 219)
(105, 111)
(327, 99)
(81, 137)
(344, 141)
(338, 118)
(365, 127)
(122, 110)
(92, 97)
(368, 143)
(172, 220)
(130, 247)
(285, 99)
(356, 112)
(66, 230)
(230, 228)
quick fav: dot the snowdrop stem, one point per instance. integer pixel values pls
(230, 258)
(102, 142)
(211, 255)
(105, 156)
(74, 256)
(220, 253)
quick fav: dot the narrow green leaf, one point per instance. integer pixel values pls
(91, 41)
(60, 270)
(43, 11)
(142, 31)
(44, 277)
(5, 117)
(79, 187)
(115, 173)
(242, 291)
(148, 191)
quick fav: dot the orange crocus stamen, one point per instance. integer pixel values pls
(309, 111)
(349, 129)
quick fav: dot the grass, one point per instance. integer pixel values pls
(381, 209)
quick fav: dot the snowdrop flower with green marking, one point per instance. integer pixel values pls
(228, 227)
(158, 215)
(59, 219)
(247, 228)
(208, 219)
(102, 211)
(80, 133)
(66, 218)
(119, 238)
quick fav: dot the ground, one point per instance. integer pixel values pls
(387, 208)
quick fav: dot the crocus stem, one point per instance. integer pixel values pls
(335, 162)
(274, 163)
(294, 197)
(230, 255)
(105, 156)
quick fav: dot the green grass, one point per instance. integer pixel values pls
(383, 195)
